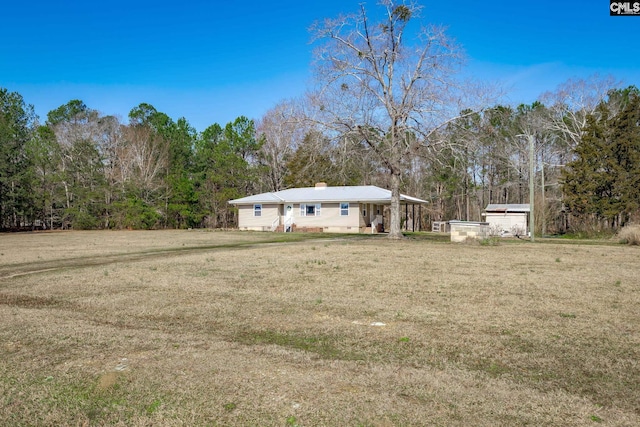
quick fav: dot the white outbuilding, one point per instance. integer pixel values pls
(508, 219)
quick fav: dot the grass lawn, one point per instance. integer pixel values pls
(201, 328)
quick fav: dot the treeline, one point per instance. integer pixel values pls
(585, 142)
(84, 170)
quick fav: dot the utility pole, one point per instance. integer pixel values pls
(544, 206)
(531, 186)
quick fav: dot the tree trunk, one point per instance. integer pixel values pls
(394, 227)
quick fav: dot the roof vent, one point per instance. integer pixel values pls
(321, 185)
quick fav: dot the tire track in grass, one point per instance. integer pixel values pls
(24, 269)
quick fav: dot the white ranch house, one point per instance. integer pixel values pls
(348, 209)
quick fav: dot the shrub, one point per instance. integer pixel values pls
(486, 241)
(135, 214)
(630, 234)
(490, 241)
(81, 220)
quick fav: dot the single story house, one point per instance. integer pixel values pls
(508, 219)
(348, 209)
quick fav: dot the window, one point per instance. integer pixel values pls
(344, 209)
(309, 210)
(257, 210)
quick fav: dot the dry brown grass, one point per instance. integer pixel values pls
(630, 234)
(187, 328)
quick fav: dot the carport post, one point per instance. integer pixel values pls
(413, 217)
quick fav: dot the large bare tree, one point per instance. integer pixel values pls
(385, 84)
(280, 131)
(572, 102)
(143, 161)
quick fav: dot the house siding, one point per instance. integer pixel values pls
(369, 214)
(329, 219)
(374, 200)
(362, 220)
(247, 221)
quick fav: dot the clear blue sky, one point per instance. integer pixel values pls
(212, 61)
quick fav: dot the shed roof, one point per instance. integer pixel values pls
(508, 207)
(359, 193)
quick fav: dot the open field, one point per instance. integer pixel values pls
(190, 328)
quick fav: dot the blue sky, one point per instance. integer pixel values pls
(213, 61)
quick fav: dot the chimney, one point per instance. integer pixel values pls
(321, 185)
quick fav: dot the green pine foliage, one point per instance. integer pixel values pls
(311, 163)
(602, 184)
(17, 124)
(626, 134)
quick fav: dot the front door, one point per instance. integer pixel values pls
(288, 217)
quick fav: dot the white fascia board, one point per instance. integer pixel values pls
(353, 194)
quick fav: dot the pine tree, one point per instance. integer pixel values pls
(603, 182)
(625, 131)
(17, 122)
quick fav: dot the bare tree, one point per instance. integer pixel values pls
(280, 131)
(109, 141)
(380, 90)
(82, 135)
(572, 102)
(143, 162)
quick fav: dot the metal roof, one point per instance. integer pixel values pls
(361, 193)
(508, 207)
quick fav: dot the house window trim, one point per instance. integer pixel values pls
(317, 209)
(257, 210)
(344, 211)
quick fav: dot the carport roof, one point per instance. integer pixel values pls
(361, 194)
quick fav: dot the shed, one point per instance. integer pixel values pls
(507, 219)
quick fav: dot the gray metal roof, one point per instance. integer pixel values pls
(507, 207)
(361, 193)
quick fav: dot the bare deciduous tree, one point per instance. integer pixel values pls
(279, 131)
(381, 90)
(143, 162)
(572, 102)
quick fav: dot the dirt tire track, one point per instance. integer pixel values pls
(24, 269)
(17, 270)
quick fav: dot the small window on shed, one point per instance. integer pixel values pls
(257, 210)
(344, 209)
